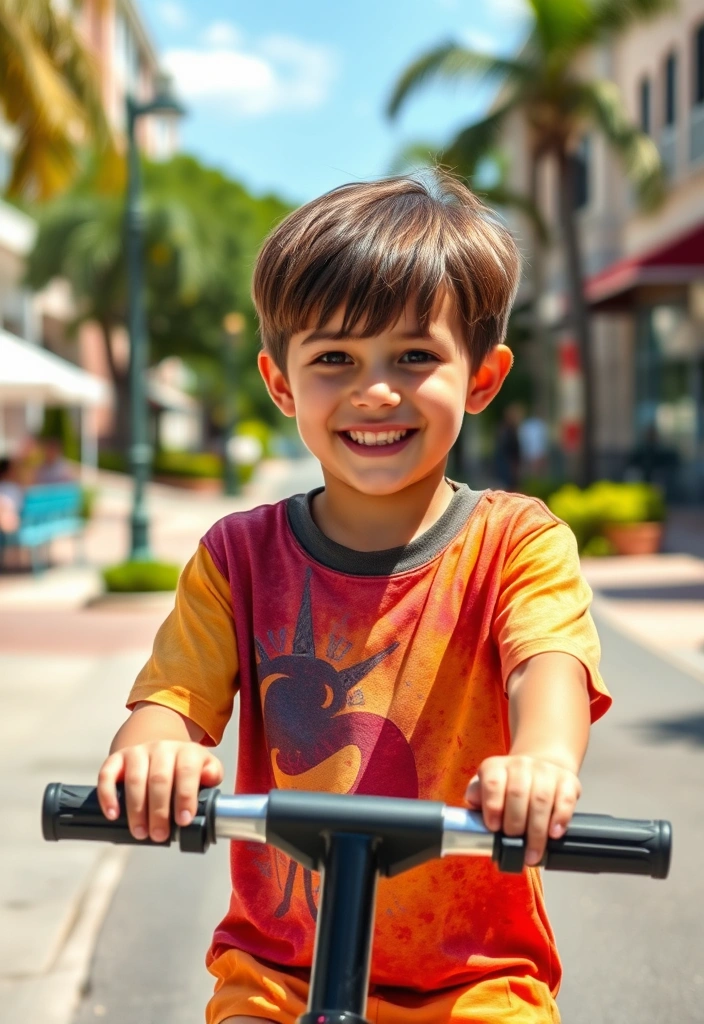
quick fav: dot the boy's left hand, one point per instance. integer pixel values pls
(523, 795)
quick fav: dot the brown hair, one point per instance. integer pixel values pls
(371, 246)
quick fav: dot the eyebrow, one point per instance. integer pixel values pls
(327, 335)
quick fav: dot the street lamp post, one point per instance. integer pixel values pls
(233, 326)
(140, 453)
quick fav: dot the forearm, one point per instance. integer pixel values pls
(152, 722)
(549, 709)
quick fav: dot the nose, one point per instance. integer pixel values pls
(375, 393)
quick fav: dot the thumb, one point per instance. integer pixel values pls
(473, 794)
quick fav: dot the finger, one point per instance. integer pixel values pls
(492, 775)
(159, 790)
(518, 786)
(542, 800)
(110, 773)
(473, 793)
(136, 770)
(566, 797)
(212, 772)
(188, 772)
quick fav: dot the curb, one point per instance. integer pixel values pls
(54, 996)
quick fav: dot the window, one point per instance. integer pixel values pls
(699, 66)
(645, 106)
(670, 98)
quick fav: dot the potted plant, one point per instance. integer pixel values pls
(632, 517)
(618, 518)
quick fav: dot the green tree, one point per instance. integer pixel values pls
(558, 106)
(50, 92)
(201, 231)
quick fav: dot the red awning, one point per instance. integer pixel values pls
(680, 261)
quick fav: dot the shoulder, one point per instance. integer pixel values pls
(512, 519)
(245, 531)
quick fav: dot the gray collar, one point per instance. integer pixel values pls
(391, 560)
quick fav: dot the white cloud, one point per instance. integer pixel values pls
(276, 73)
(221, 33)
(172, 14)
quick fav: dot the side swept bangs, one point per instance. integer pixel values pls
(371, 247)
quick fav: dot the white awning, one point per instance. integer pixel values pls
(29, 373)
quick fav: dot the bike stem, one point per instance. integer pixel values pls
(343, 938)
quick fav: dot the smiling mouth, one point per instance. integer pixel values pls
(374, 439)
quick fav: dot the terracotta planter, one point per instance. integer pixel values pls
(635, 538)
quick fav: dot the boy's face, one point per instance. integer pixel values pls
(381, 413)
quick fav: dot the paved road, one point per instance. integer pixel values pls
(631, 946)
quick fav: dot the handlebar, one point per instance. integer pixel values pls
(406, 832)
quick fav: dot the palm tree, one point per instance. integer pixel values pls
(558, 106)
(49, 92)
(80, 239)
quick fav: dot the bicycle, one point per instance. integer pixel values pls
(352, 840)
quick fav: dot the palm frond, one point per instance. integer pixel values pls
(477, 140)
(451, 62)
(602, 103)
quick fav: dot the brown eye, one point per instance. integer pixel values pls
(333, 359)
(418, 356)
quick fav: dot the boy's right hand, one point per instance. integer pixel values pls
(157, 775)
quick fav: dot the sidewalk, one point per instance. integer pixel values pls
(66, 665)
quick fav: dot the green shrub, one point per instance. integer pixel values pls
(587, 512)
(116, 462)
(259, 429)
(598, 547)
(141, 577)
(197, 465)
(89, 496)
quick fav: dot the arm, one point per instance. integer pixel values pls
(157, 752)
(534, 788)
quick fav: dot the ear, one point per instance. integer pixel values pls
(276, 384)
(485, 384)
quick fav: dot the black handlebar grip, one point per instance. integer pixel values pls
(73, 812)
(599, 843)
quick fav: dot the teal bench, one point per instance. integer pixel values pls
(48, 511)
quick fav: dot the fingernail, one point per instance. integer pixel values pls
(556, 831)
(185, 818)
(111, 813)
(532, 858)
(139, 832)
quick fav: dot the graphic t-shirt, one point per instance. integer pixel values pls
(379, 673)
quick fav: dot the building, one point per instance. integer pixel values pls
(128, 65)
(644, 273)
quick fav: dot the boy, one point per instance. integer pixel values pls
(392, 633)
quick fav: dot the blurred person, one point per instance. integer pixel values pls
(507, 453)
(351, 619)
(11, 496)
(533, 443)
(54, 467)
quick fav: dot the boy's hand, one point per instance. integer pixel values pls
(156, 775)
(523, 795)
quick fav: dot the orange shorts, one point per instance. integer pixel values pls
(247, 987)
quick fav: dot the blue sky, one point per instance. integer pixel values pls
(288, 95)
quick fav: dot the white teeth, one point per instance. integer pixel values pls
(382, 437)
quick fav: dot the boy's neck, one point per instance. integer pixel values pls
(367, 522)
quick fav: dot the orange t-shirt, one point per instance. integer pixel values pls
(378, 673)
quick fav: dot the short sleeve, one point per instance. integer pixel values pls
(543, 606)
(193, 667)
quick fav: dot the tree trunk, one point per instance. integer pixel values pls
(120, 437)
(578, 312)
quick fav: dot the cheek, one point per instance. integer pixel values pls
(442, 398)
